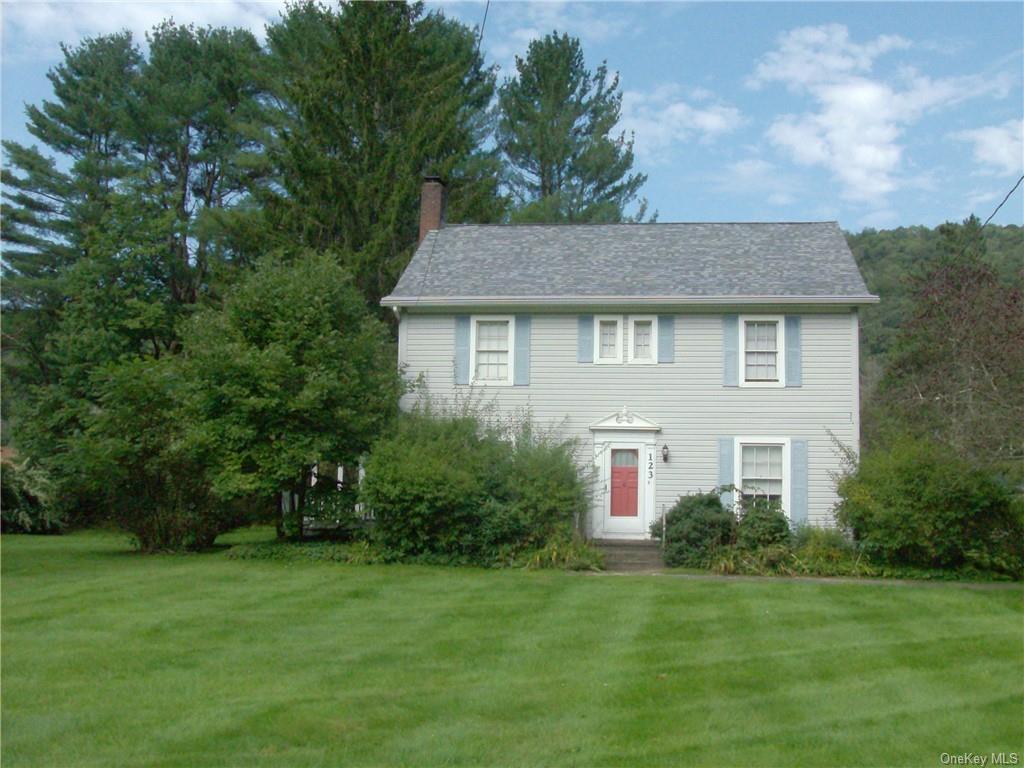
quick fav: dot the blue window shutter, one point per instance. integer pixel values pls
(585, 340)
(731, 350)
(462, 349)
(666, 338)
(798, 478)
(521, 373)
(794, 352)
(726, 452)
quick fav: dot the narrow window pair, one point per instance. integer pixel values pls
(639, 340)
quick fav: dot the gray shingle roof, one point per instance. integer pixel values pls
(700, 261)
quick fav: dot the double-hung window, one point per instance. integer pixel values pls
(762, 472)
(762, 469)
(607, 339)
(492, 351)
(643, 335)
(762, 351)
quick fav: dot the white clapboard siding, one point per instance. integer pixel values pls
(686, 397)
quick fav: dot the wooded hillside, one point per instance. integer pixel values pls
(892, 260)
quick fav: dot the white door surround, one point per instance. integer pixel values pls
(624, 430)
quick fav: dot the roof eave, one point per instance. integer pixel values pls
(565, 301)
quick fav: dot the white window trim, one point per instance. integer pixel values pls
(653, 359)
(781, 352)
(617, 319)
(473, 320)
(737, 464)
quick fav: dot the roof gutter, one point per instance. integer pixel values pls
(575, 301)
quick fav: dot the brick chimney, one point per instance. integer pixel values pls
(432, 205)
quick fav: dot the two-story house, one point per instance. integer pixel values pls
(681, 356)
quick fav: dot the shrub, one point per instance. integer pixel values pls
(181, 515)
(133, 455)
(827, 552)
(808, 551)
(567, 553)
(545, 491)
(697, 526)
(761, 524)
(773, 560)
(916, 504)
(306, 551)
(25, 503)
(822, 549)
(815, 538)
(448, 487)
(427, 484)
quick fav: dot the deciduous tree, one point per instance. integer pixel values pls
(958, 365)
(293, 370)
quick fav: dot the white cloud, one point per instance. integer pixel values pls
(757, 177)
(512, 26)
(856, 127)
(662, 117)
(854, 134)
(997, 148)
(701, 94)
(33, 31)
(810, 55)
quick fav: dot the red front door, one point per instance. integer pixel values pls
(625, 473)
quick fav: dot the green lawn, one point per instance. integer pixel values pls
(117, 659)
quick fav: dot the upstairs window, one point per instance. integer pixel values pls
(608, 340)
(491, 346)
(642, 340)
(762, 342)
(762, 351)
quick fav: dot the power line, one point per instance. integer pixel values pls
(483, 24)
(1004, 200)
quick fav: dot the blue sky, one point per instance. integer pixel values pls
(875, 114)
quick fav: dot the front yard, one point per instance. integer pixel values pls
(113, 658)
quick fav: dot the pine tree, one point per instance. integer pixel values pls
(373, 96)
(121, 228)
(555, 132)
(199, 130)
(53, 211)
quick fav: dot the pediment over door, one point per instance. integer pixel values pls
(625, 420)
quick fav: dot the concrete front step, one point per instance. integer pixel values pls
(626, 543)
(630, 556)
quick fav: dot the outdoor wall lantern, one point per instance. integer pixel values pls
(664, 452)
